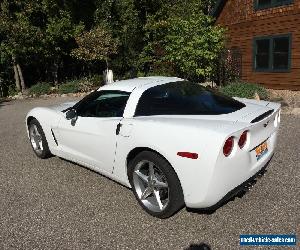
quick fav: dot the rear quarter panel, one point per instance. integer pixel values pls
(169, 136)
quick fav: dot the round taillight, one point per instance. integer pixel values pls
(228, 146)
(243, 139)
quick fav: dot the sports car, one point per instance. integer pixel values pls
(173, 142)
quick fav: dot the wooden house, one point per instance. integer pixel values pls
(267, 32)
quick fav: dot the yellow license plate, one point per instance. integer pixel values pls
(261, 150)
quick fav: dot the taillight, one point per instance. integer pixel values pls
(243, 139)
(228, 146)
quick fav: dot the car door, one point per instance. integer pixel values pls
(91, 139)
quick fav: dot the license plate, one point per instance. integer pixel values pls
(261, 150)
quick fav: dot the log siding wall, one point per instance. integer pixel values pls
(244, 23)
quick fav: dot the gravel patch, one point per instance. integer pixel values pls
(290, 100)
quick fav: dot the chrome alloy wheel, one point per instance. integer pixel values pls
(36, 139)
(151, 186)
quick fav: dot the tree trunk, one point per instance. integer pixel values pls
(16, 74)
(55, 72)
(107, 65)
(21, 77)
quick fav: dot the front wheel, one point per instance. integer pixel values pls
(155, 185)
(38, 140)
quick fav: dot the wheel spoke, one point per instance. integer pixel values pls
(160, 184)
(146, 193)
(151, 171)
(40, 145)
(143, 177)
(37, 143)
(35, 130)
(157, 196)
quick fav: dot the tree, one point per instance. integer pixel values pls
(33, 31)
(95, 45)
(58, 35)
(182, 37)
(19, 37)
(124, 20)
(193, 45)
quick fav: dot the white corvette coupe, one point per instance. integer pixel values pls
(173, 142)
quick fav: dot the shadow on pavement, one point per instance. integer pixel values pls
(201, 246)
(3, 102)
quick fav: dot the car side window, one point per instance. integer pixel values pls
(106, 103)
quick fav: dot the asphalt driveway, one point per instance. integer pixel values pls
(55, 204)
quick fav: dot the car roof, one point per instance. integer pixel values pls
(130, 84)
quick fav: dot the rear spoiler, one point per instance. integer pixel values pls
(262, 116)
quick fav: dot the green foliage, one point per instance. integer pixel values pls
(41, 88)
(19, 37)
(84, 84)
(193, 45)
(95, 80)
(244, 90)
(69, 87)
(90, 83)
(12, 90)
(32, 31)
(183, 37)
(163, 37)
(59, 31)
(96, 44)
(125, 19)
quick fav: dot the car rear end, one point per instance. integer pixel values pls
(244, 153)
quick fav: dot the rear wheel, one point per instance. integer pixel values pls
(38, 140)
(155, 184)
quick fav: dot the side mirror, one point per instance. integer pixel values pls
(72, 115)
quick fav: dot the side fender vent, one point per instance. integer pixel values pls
(262, 116)
(54, 137)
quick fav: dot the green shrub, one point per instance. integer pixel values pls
(90, 83)
(69, 87)
(96, 80)
(41, 88)
(12, 90)
(244, 90)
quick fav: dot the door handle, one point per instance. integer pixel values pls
(118, 128)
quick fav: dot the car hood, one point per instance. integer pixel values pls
(62, 106)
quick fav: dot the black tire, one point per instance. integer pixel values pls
(43, 153)
(175, 194)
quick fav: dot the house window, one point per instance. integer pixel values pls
(264, 4)
(272, 53)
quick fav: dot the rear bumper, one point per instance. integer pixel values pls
(244, 187)
(230, 176)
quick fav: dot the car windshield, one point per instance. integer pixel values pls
(185, 98)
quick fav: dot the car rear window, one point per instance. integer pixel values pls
(184, 98)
